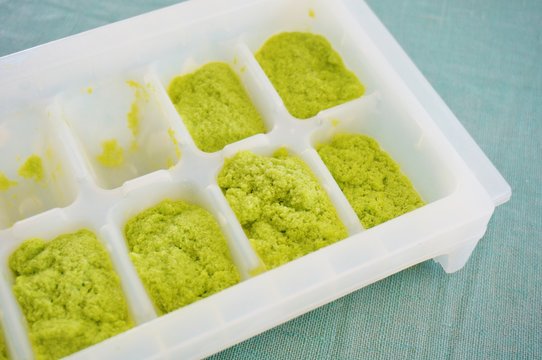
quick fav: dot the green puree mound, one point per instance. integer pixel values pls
(281, 206)
(180, 254)
(371, 181)
(215, 107)
(69, 293)
(307, 73)
(3, 349)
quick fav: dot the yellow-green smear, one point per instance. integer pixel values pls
(215, 107)
(170, 162)
(133, 119)
(90, 90)
(32, 168)
(282, 207)
(369, 178)
(171, 134)
(134, 115)
(5, 182)
(112, 154)
(69, 294)
(3, 348)
(139, 88)
(307, 73)
(312, 14)
(180, 254)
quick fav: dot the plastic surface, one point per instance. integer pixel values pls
(63, 99)
(474, 157)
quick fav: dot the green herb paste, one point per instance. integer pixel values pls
(112, 154)
(5, 182)
(283, 209)
(3, 349)
(215, 107)
(180, 254)
(371, 181)
(69, 293)
(307, 73)
(32, 168)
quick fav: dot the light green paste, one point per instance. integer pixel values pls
(5, 182)
(215, 107)
(112, 154)
(171, 134)
(3, 349)
(32, 168)
(371, 181)
(307, 73)
(284, 211)
(180, 254)
(69, 293)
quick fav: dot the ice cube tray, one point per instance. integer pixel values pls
(62, 100)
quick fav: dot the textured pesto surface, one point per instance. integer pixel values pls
(112, 154)
(3, 349)
(215, 107)
(32, 168)
(280, 204)
(5, 182)
(307, 73)
(69, 293)
(180, 254)
(370, 179)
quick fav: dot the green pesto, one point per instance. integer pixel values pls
(215, 107)
(5, 182)
(180, 254)
(68, 292)
(32, 168)
(282, 207)
(369, 178)
(3, 348)
(112, 154)
(307, 73)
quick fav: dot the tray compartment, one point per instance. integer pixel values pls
(337, 200)
(400, 135)
(229, 52)
(317, 17)
(36, 171)
(142, 199)
(47, 227)
(121, 128)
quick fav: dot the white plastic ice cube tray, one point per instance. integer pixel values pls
(45, 109)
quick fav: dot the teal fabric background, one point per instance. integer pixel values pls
(484, 57)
